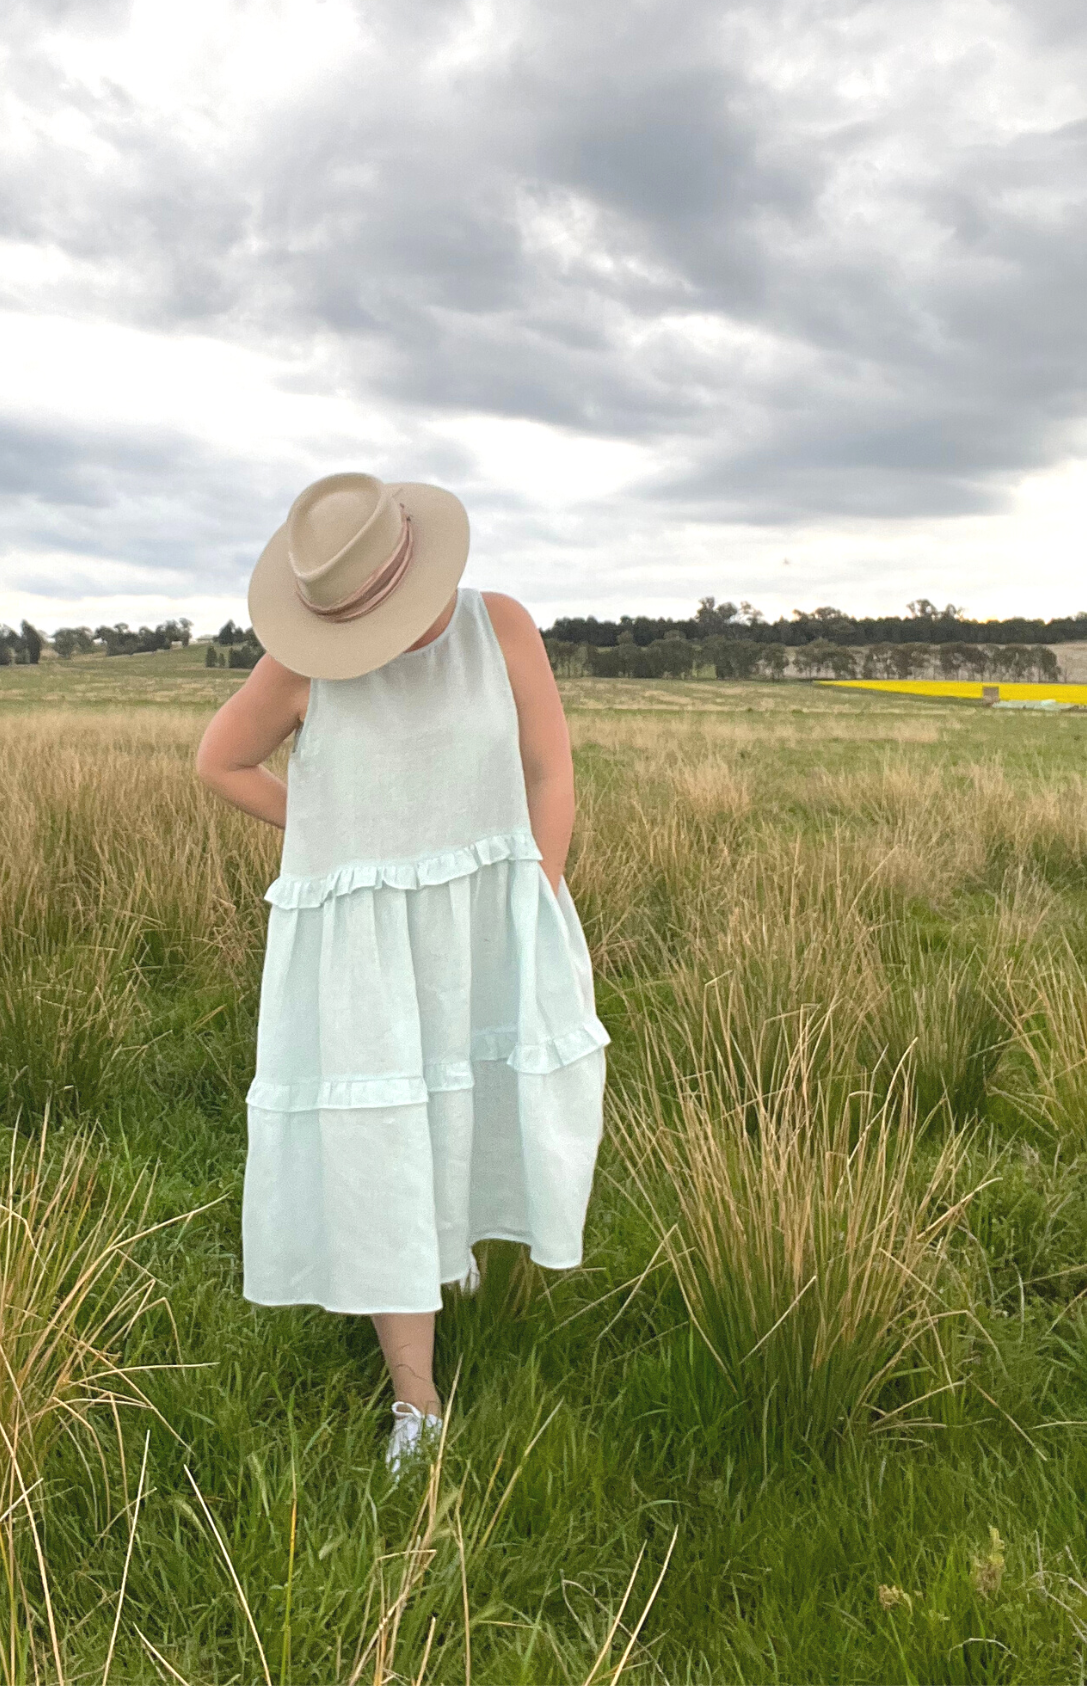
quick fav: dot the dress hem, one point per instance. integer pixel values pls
(396, 1310)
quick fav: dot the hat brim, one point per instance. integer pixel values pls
(320, 649)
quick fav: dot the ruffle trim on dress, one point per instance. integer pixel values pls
(535, 1059)
(291, 891)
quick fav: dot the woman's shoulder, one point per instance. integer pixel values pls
(509, 618)
(282, 684)
(527, 661)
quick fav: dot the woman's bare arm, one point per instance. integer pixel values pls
(244, 733)
(544, 735)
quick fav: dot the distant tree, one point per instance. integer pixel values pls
(32, 642)
(212, 658)
(67, 640)
(732, 658)
(815, 657)
(708, 653)
(841, 662)
(826, 623)
(119, 639)
(975, 659)
(186, 631)
(602, 660)
(562, 653)
(635, 662)
(877, 662)
(773, 659)
(1042, 664)
(1030, 661)
(670, 657)
(907, 660)
(951, 659)
(246, 650)
(626, 660)
(713, 618)
(228, 633)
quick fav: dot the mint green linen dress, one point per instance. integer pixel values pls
(430, 1067)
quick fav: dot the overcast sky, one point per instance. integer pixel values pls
(770, 299)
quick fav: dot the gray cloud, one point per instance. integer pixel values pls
(154, 499)
(896, 273)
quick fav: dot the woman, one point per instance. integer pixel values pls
(429, 1065)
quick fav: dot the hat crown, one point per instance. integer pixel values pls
(340, 532)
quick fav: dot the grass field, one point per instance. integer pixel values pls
(814, 1409)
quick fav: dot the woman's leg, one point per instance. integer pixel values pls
(407, 1340)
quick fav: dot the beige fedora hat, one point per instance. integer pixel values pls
(357, 572)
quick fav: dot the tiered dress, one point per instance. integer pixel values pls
(430, 1067)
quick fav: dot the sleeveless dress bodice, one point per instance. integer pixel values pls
(414, 769)
(430, 1066)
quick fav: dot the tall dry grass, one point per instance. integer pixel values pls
(1048, 1029)
(810, 1243)
(71, 1291)
(118, 869)
(103, 812)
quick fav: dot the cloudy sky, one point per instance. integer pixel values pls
(770, 299)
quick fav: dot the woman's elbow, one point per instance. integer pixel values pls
(551, 775)
(207, 764)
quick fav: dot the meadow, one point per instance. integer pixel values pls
(813, 1410)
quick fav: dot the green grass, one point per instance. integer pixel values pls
(876, 883)
(176, 678)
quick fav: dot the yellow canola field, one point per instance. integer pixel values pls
(978, 689)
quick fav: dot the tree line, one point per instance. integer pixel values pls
(923, 623)
(24, 647)
(676, 657)
(242, 647)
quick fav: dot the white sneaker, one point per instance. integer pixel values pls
(469, 1282)
(409, 1430)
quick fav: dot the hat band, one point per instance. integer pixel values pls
(375, 588)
